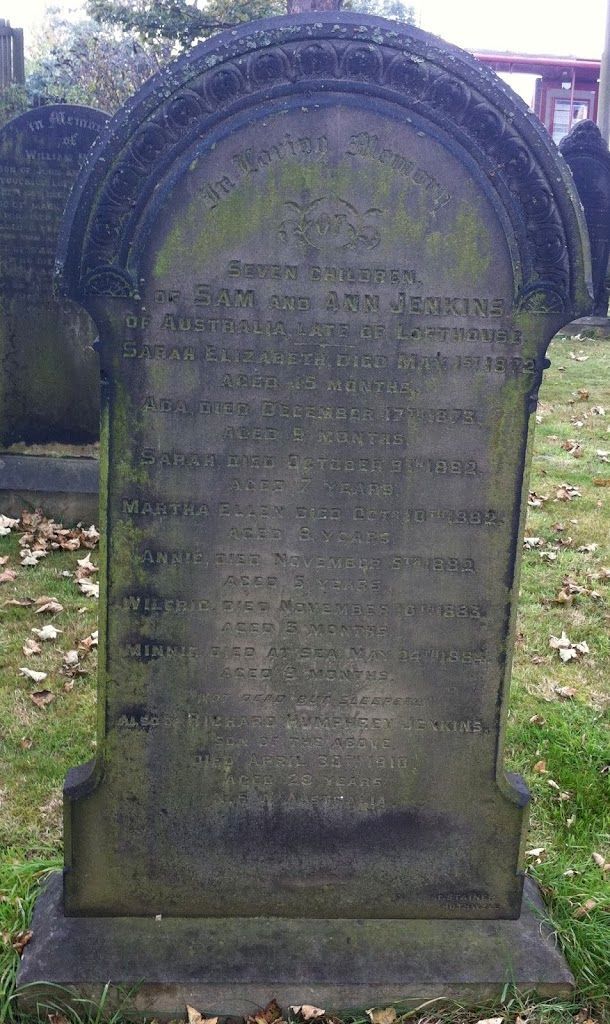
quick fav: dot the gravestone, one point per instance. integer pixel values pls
(326, 259)
(587, 156)
(49, 385)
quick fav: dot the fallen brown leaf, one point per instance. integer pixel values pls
(48, 632)
(6, 525)
(565, 692)
(88, 588)
(268, 1015)
(8, 576)
(573, 447)
(537, 855)
(601, 862)
(25, 743)
(540, 767)
(536, 500)
(89, 641)
(25, 602)
(85, 567)
(195, 1017)
(382, 1016)
(565, 492)
(21, 940)
(30, 673)
(30, 647)
(42, 698)
(50, 605)
(306, 1012)
(601, 481)
(585, 908)
(31, 557)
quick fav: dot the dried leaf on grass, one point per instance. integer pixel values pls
(549, 555)
(20, 941)
(41, 535)
(272, 1012)
(565, 492)
(307, 1012)
(6, 525)
(536, 500)
(29, 673)
(537, 855)
(89, 642)
(572, 447)
(71, 665)
(48, 632)
(85, 567)
(31, 557)
(42, 698)
(562, 795)
(195, 1017)
(25, 602)
(8, 576)
(30, 647)
(565, 692)
(382, 1016)
(585, 908)
(602, 863)
(88, 588)
(48, 605)
(567, 650)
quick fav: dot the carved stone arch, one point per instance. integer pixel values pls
(274, 60)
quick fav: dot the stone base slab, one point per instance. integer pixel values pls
(64, 487)
(233, 965)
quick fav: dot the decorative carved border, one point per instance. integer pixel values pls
(275, 58)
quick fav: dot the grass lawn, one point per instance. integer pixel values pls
(559, 723)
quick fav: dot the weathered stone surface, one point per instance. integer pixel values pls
(49, 381)
(233, 965)
(317, 411)
(66, 488)
(327, 259)
(587, 156)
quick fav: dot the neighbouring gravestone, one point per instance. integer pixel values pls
(49, 381)
(587, 156)
(326, 259)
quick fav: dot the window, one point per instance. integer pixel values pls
(561, 123)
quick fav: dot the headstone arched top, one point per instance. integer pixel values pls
(424, 80)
